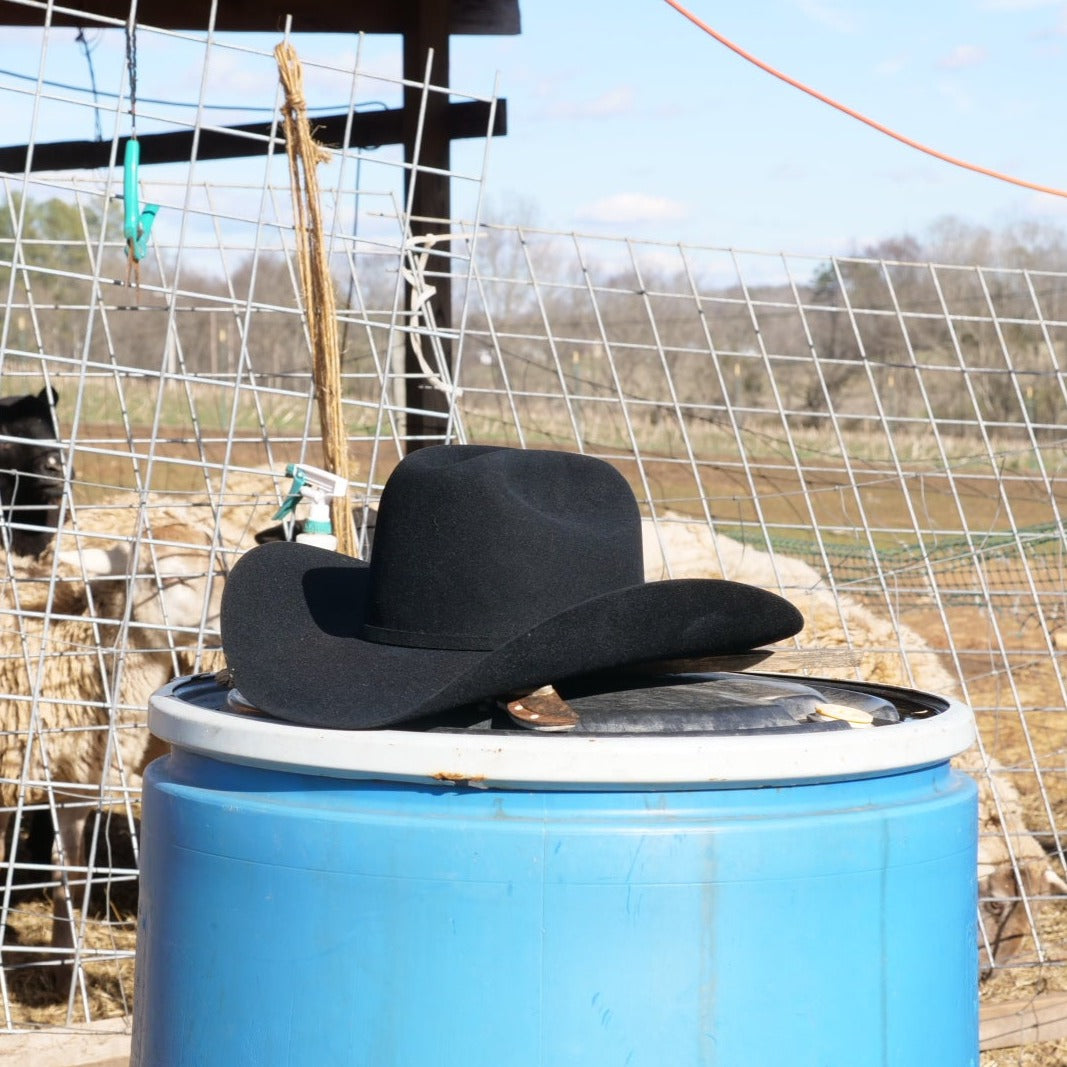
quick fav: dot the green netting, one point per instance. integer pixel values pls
(1008, 560)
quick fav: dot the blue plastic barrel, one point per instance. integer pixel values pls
(397, 898)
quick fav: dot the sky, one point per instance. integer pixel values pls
(629, 116)
(626, 119)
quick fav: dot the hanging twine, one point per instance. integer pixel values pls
(131, 68)
(305, 154)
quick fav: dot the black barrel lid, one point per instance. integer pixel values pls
(711, 703)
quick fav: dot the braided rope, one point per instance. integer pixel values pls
(305, 154)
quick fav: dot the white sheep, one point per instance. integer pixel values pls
(92, 641)
(1012, 865)
(125, 598)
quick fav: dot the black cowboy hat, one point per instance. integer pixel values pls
(495, 571)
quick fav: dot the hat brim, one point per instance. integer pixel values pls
(292, 616)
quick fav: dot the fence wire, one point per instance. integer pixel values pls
(170, 399)
(879, 440)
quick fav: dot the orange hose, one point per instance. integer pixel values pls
(823, 98)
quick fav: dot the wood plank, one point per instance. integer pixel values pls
(309, 16)
(104, 1043)
(460, 119)
(1005, 1024)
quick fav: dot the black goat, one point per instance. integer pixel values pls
(31, 472)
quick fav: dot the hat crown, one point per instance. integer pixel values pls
(475, 544)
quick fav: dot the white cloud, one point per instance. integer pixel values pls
(1039, 204)
(789, 171)
(1017, 5)
(633, 208)
(893, 65)
(827, 16)
(956, 95)
(614, 103)
(1058, 29)
(618, 101)
(964, 55)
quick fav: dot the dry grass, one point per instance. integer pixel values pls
(1042, 1054)
(109, 939)
(32, 989)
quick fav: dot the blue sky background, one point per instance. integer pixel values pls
(629, 116)
(626, 119)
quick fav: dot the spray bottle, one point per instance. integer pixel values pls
(316, 487)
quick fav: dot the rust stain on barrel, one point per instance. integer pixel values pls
(455, 776)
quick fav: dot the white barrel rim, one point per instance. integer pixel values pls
(557, 761)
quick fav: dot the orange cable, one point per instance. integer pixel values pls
(856, 115)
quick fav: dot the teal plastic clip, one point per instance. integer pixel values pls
(138, 223)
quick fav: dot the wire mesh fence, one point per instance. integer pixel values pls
(149, 409)
(879, 440)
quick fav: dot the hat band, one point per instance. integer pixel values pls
(384, 635)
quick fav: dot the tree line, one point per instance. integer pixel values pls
(900, 317)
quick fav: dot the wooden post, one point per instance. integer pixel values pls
(428, 28)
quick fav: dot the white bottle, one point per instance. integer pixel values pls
(318, 530)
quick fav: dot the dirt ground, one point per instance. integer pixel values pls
(35, 997)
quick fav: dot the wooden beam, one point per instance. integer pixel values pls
(309, 16)
(469, 118)
(1005, 1024)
